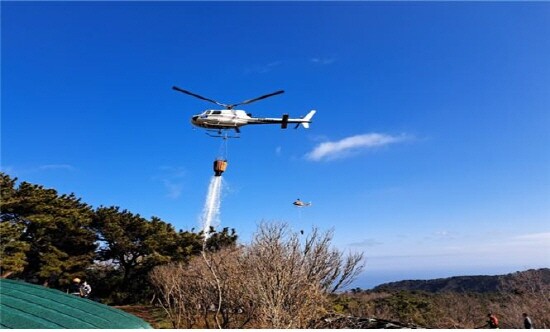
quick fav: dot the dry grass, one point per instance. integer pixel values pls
(155, 316)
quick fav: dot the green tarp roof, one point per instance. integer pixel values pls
(27, 306)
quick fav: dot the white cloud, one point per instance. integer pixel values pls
(171, 178)
(343, 147)
(264, 68)
(322, 61)
(534, 237)
(56, 167)
(366, 243)
(173, 172)
(443, 235)
(17, 172)
(174, 189)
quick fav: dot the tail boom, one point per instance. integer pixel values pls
(284, 121)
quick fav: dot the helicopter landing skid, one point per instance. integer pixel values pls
(223, 135)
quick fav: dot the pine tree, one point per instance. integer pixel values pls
(55, 229)
(12, 248)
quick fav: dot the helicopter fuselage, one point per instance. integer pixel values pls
(233, 119)
(220, 119)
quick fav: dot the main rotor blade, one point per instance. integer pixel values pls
(197, 96)
(256, 99)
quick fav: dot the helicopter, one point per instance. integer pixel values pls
(230, 118)
(299, 203)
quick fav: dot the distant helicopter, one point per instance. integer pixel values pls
(299, 203)
(229, 118)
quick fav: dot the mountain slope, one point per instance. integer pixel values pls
(463, 284)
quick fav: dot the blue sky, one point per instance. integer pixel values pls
(429, 150)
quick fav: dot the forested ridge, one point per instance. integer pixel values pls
(456, 302)
(465, 284)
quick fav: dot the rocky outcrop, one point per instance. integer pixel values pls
(337, 321)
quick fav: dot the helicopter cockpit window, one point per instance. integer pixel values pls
(216, 112)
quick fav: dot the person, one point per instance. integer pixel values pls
(74, 287)
(493, 321)
(85, 289)
(527, 322)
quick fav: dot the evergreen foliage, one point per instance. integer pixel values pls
(13, 249)
(55, 228)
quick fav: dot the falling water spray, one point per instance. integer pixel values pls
(210, 217)
(211, 210)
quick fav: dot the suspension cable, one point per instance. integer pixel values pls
(222, 151)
